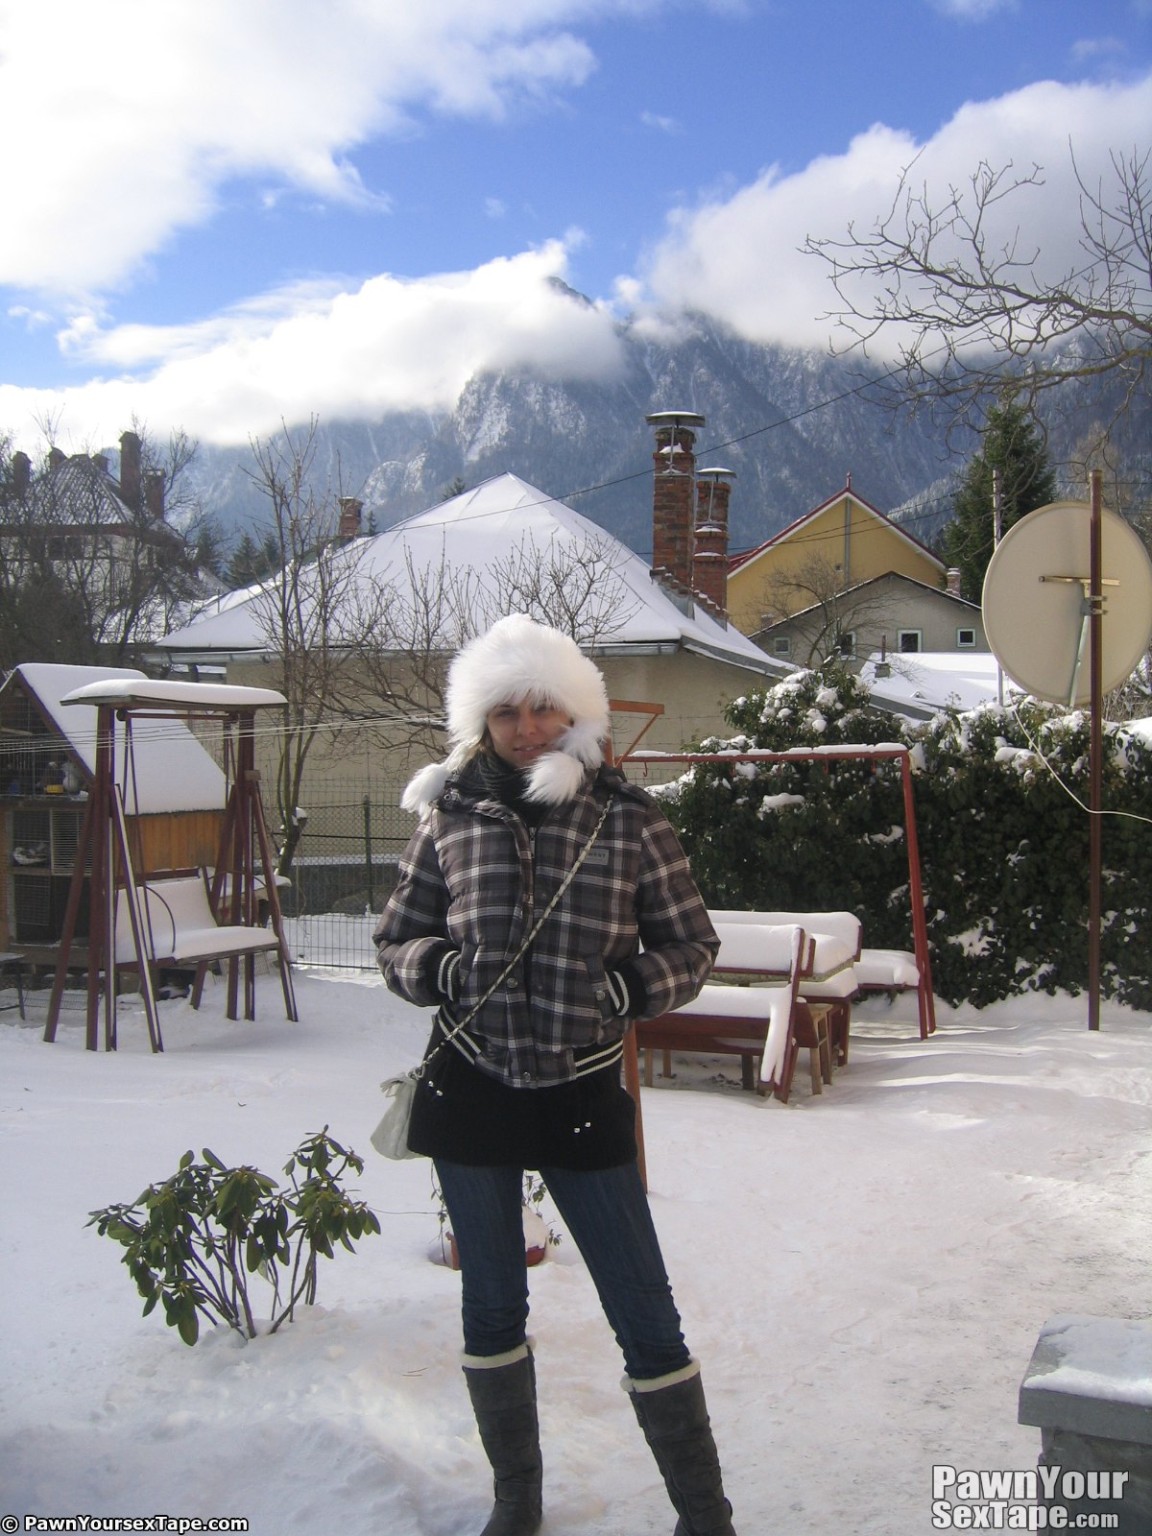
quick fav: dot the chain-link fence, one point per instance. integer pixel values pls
(346, 866)
(344, 870)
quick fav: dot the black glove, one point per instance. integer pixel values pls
(443, 973)
(627, 991)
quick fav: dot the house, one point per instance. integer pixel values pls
(88, 561)
(659, 633)
(890, 613)
(837, 546)
(76, 511)
(174, 802)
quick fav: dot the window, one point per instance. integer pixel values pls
(909, 640)
(846, 644)
(965, 639)
(42, 844)
(782, 646)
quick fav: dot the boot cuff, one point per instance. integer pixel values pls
(658, 1383)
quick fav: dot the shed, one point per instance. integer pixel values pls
(174, 803)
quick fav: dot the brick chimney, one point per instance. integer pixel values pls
(350, 510)
(21, 474)
(674, 493)
(131, 484)
(710, 553)
(154, 495)
(952, 581)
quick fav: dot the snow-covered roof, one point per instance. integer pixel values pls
(147, 693)
(924, 682)
(504, 517)
(173, 772)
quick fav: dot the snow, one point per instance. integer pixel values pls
(173, 771)
(864, 1275)
(165, 694)
(502, 519)
(929, 681)
(1106, 1358)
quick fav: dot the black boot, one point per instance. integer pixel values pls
(674, 1417)
(503, 1393)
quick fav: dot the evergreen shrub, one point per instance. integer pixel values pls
(1003, 842)
(192, 1242)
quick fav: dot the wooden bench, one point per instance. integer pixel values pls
(755, 1012)
(873, 970)
(831, 978)
(168, 922)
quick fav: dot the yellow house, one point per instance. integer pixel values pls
(839, 544)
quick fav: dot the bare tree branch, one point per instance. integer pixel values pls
(823, 612)
(362, 657)
(963, 291)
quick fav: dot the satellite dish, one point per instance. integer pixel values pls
(1036, 602)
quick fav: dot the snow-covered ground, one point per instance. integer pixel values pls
(863, 1275)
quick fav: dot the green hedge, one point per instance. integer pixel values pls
(1003, 841)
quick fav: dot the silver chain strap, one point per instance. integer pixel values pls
(418, 1072)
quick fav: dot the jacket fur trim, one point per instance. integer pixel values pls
(553, 779)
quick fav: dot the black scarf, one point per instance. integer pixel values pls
(509, 785)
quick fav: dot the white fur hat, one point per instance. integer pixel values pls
(519, 659)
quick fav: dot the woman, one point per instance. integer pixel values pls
(533, 1080)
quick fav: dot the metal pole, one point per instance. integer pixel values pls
(997, 535)
(368, 852)
(1096, 750)
(925, 996)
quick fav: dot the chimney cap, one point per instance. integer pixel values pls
(674, 419)
(716, 473)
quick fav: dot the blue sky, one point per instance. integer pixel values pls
(221, 214)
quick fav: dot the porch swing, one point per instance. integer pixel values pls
(143, 921)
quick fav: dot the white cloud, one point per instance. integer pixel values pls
(1088, 49)
(739, 258)
(332, 349)
(121, 121)
(318, 349)
(973, 10)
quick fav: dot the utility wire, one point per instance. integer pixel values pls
(1067, 788)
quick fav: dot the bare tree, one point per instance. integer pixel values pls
(962, 287)
(574, 587)
(361, 656)
(305, 610)
(404, 632)
(824, 612)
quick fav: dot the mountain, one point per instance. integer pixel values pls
(792, 424)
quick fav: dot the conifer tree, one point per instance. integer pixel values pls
(1013, 444)
(245, 566)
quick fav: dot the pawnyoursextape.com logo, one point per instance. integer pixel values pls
(1038, 1499)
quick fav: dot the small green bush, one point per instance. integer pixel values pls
(193, 1241)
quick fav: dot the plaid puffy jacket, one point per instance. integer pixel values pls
(476, 876)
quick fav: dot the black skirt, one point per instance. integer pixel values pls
(465, 1116)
